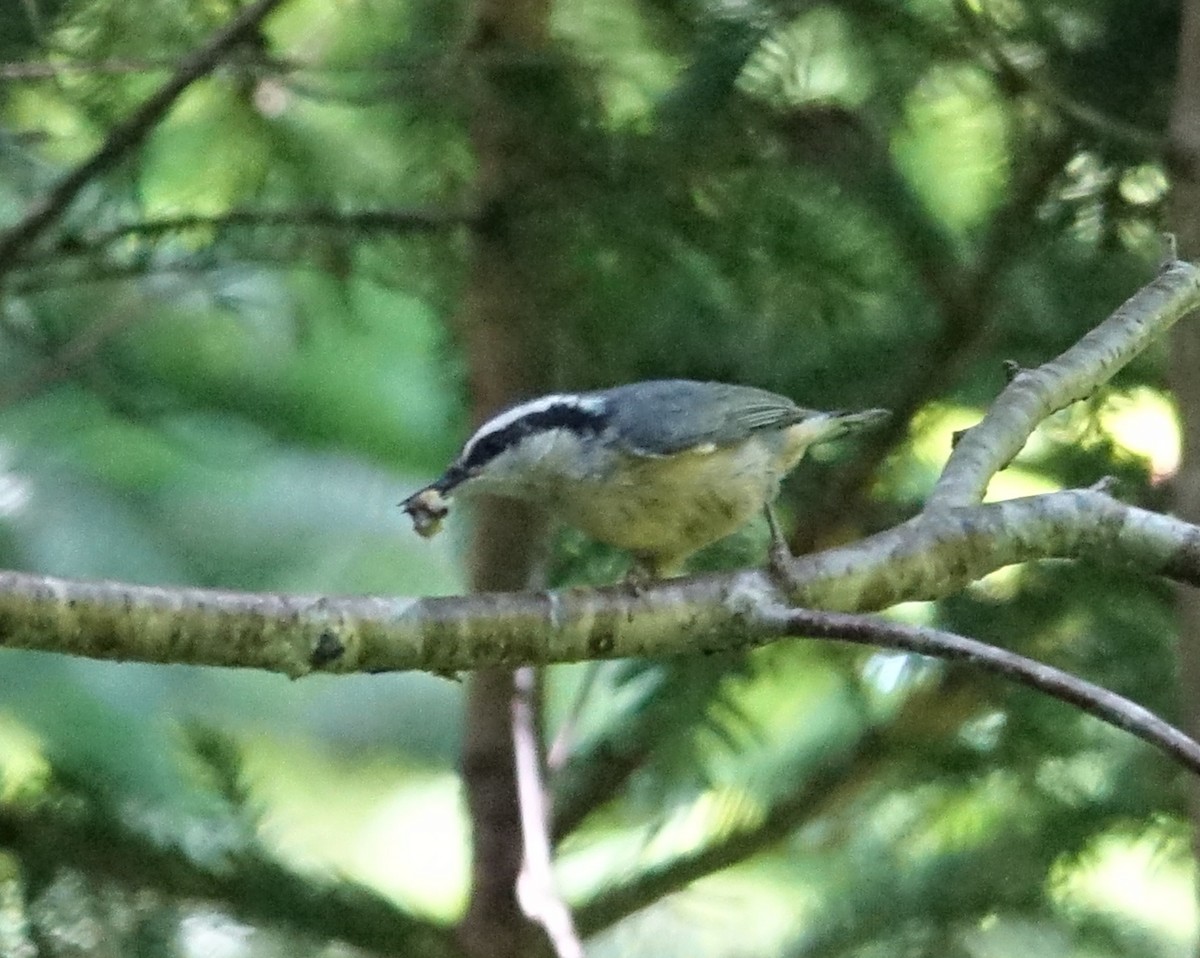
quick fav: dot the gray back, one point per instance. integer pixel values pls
(661, 417)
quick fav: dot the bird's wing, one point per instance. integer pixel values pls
(665, 417)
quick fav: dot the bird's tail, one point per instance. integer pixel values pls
(826, 426)
(842, 423)
(820, 427)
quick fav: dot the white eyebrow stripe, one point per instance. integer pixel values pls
(541, 404)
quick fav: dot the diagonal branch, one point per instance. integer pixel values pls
(1105, 705)
(129, 133)
(964, 298)
(415, 219)
(1034, 394)
(620, 900)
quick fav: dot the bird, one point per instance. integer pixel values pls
(659, 469)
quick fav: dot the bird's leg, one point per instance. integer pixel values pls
(640, 575)
(779, 556)
(649, 568)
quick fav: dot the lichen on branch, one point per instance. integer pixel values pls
(924, 559)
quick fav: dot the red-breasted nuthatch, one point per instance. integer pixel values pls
(659, 468)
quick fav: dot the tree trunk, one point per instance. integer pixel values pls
(498, 322)
(1184, 158)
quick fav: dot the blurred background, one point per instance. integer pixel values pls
(277, 313)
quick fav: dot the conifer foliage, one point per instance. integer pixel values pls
(261, 265)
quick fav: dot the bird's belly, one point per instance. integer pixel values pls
(672, 506)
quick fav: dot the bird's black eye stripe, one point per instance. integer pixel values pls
(566, 416)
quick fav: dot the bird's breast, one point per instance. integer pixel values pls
(675, 504)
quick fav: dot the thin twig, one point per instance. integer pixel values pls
(416, 62)
(1105, 705)
(536, 887)
(1078, 114)
(49, 69)
(91, 273)
(128, 134)
(398, 220)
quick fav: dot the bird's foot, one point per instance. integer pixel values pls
(779, 555)
(638, 578)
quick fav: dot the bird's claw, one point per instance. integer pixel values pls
(779, 555)
(637, 579)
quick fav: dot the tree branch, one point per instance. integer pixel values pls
(930, 557)
(52, 69)
(399, 220)
(964, 296)
(537, 890)
(623, 899)
(129, 133)
(934, 555)
(1034, 394)
(926, 558)
(1107, 706)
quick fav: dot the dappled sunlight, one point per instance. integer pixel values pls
(812, 60)
(214, 935)
(945, 821)
(1143, 422)
(1015, 482)
(590, 864)
(745, 911)
(1077, 779)
(1144, 881)
(1139, 422)
(413, 845)
(396, 828)
(954, 145)
(998, 586)
(23, 766)
(615, 34)
(315, 243)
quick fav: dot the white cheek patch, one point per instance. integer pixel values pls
(533, 450)
(538, 458)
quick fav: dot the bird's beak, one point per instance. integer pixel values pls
(427, 507)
